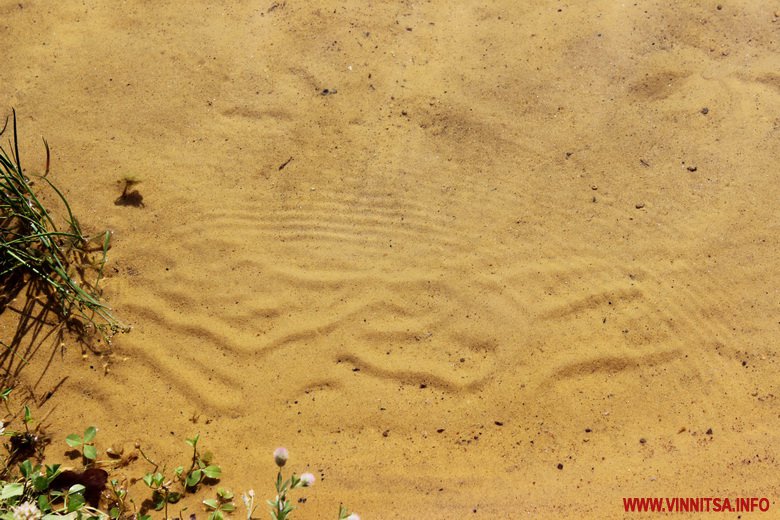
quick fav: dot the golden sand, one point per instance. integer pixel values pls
(438, 250)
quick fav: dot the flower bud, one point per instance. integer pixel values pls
(280, 456)
(307, 479)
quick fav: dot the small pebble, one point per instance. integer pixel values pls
(692, 168)
(709, 431)
(640, 205)
(115, 451)
(642, 440)
(560, 466)
(705, 111)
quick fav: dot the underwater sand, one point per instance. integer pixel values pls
(506, 237)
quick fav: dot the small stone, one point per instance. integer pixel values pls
(560, 466)
(588, 430)
(594, 187)
(385, 433)
(115, 451)
(709, 431)
(639, 205)
(498, 423)
(705, 111)
(642, 440)
(691, 168)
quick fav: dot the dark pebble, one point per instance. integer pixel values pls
(588, 430)
(709, 431)
(642, 440)
(560, 466)
(498, 423)
(692, 168)
(705, 111)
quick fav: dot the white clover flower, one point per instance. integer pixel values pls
(26, 511)
(307, 479)
(280, 456)
(353, 516)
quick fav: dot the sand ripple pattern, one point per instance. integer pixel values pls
(450, 286)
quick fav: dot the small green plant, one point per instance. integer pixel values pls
(22, 444)
(281, 506)
(220, 505)
(117, 499)
(200, 468)
(162, 492)
(169, 490)
(84, 444)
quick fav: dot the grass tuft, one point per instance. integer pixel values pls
(63, 264)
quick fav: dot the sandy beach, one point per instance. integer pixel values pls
(484, 260)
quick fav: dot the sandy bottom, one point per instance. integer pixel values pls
(439, 250)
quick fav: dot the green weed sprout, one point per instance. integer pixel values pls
(169, 490)
(84, 444)
(200, 468)
(222, 504)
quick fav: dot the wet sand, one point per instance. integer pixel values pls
(438, 251)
